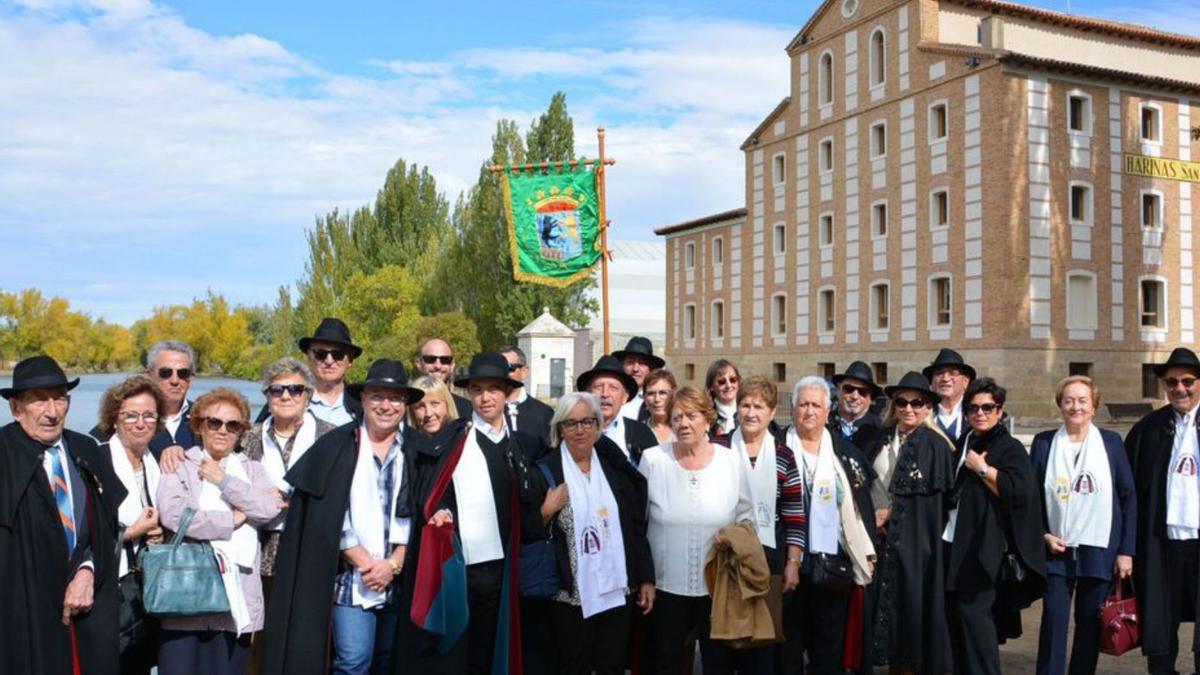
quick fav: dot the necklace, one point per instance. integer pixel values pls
(693, 480)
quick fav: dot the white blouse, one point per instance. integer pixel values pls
(687, 509)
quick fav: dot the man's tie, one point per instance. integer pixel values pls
(62, 497)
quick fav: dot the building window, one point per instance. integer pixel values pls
(827, 308)
(879, 140)
(939, 302)
(779, 315)
(689, 255)
(827, 370)
(780, 239)
(825, 78)
(1079, 113)
(780, 371)
(718, 319)
(825, 230)
(939, 208)
(779, 168)
(1152, 210)
(1149, 381)
(826, 155)
(939, 122)
(1080, 203)
(878, 58)
(879, 219)
(1081, 301)
(881, 297)
(1079, 368)
(718, 250)
(1152, 304)
(689, 322)
(881, 373)
(1151, 123)
(689, 371)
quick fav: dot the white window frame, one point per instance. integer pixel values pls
(821, 155)
(718, 250)
(779, 315)
(887, 213)
(1089, 204)
(821, 230)
(1087, 113)
(717, 328)
(1073, 312)
(1160, 212)
(933, 208)
(930, 119)
(931, 299)
(873, 306)
(826, 315)
(689, 321)
(779, 169)
(1163, 311)
(874, 145)
(825, 80)
(1159, 119)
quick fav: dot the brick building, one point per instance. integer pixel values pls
(1005, 180)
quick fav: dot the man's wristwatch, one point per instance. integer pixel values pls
(395, 567)
(982, 471)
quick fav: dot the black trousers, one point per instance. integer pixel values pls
(814, 623)
(1183, 564)
(485, 583)
(678, 618)
(973, 640)
(599, 643)
(213, 652)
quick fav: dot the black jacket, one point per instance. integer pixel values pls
(533, 418)
(867, 431)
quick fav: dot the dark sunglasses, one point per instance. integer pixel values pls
(322, 354)
(232, 426)
(726, 380)
(514, 367)
(276, 390)
(864, 392)
(1172, 382)
(987, 408)
(915, 404)
(430, 359)
(183, 373)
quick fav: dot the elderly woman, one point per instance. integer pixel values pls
(596, 492)
(914, 463)
(130, 413)
(1090, 512)
(995, 535)
(695, 488)
(721, 383)
(435, 409)
(840, 554)
(660, 386)
(232, 497)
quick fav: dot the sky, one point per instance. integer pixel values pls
(152, 151)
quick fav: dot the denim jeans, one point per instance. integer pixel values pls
(362, 639)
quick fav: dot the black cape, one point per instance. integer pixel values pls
(907, 599)
(533, 418)
(1149, 446)
(299, 613)
(638, 437)
(867, 431)
(35, 567)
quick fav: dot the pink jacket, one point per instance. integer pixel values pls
(180, 490)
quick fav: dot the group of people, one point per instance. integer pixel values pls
(392, 526)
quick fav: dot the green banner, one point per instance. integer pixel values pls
(553, 224)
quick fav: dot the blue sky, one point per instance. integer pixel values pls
(150, 151)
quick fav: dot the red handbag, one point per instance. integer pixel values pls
(1119, 630)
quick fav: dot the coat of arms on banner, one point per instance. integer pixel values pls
(554, 222)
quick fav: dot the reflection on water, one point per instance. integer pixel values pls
(85, 399)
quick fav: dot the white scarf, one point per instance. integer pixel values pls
(1079, 490)
(1183, 488)
(823, 522)
(132, 506)
(726, 419)
(599, 546)
(367, 518)
(272, 453)
(478, 525)
(764, 483)
(240, 550)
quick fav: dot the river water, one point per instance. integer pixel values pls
(85, 399)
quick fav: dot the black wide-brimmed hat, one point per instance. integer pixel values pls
(948, 358)
(331, 330)
(916, 382)
(641, 347)
(1181, 357)
(488, 366)
(608, 366)
(388, 374)
(38, 372)
(861, 372)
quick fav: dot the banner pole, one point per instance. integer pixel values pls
(603, 241)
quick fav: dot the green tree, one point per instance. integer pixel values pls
(551, 137)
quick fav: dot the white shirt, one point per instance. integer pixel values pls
(687, 509)
(334, 413)
(172, 421)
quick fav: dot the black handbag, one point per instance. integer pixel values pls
(539, 562)
(135, 625)
(832, 573)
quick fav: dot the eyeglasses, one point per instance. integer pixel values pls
(322, 354)
(865, 392)
(655, 393)
(915, 404)
(1172, 382)
(183, 373)
(132, 417)
(585, 424)
(430, 359)
(512, 367)
(232, 426)
(721, 382)
(395, 399)
(276, 390)
(985, 408)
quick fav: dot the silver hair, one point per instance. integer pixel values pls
(170, 346)
(812, 382)
(287, 366)
(565, 405)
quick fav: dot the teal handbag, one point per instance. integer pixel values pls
(181, 579)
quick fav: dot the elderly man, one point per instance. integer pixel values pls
(609, 382)
(347, 525)
(638, 360)
(58, 506)
(950, 376)
(1164, 456)
(854, 421)
(436, 359)
(524, 412)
